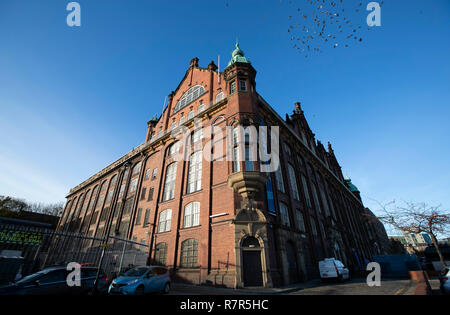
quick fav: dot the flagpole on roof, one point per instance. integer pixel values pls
(218, 70)
(165, 99)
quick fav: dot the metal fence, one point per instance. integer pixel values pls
(27, 249)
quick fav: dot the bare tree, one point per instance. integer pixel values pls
(418, 218)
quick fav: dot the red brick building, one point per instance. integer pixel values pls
(218, 221)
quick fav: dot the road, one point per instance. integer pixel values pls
(352, 287)
(359, 287)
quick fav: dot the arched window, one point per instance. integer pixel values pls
(189, 253)
(195, 172)
(192, 214)
(191, 95)
(161, 254)
(136, 169)
(220, 97)
(165, 219)
(110, 193)
(94, 196)
(86, 202)
(174, 148)
(293, 182)
(169, 185)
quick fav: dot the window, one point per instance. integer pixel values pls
(232, 87)
(279, 179)
(284, 214)
(316, 199)
(191, 114)
(155, 172)
(86, 201)
(305, 190)
(189, 253)
(169, 186)
(248, 155)
(136, 169)
(182, 120)
(236, 150)
(197, 135)
(192, 214)
(150, 194)
(144, 191)
(138, 217)
(146, 217)
(160, 133)
(94, 196)
(191, 95)
(104, 214)
(201, 108)
(293, 182)
(236, 161)
(110, 194)
(313, 227)
(122, 190)
(174, 125)
(242, 85)
(165, 218)
(325, 203)
(195, 172)
(174, 148)
(220, 97)
(161, 254)
(128, 206)
(133, 186)
(287, 148)
(300, 220)
(100, 201)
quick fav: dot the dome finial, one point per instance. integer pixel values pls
(237, 55)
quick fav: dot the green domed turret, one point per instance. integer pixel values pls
(350, 186)
(237, 56)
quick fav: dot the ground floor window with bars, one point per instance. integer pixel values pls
(161, 254)
(189, 253)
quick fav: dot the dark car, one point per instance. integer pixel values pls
(53, 281)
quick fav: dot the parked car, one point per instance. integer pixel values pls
(444, 280)
(53, 281)
(141, 280)
(331, 268)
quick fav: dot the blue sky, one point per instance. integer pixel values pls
(73, 100)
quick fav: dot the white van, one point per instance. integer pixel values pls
(331, 268)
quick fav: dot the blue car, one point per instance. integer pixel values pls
(141, 280)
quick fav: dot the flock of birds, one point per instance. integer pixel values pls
(326, 23)
(320, 24)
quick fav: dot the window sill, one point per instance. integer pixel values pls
(191, 227)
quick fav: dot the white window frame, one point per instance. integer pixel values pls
(165, 220)
(192, 214)
(195, 172)
(169, 183)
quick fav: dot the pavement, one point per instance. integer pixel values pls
(357, 286)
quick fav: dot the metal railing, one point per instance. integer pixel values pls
(28, 249)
